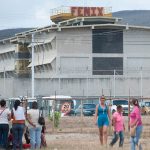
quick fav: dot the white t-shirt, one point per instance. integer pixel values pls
(19, 113)
(34, 114)
(4, 116)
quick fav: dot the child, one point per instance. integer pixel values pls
(10, 139)
(27, 139)
(26, 136)
(118, 125)
(43, 139)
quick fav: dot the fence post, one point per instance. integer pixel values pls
(114, 83)
(129, 111)
(53, 108)
(141, 81)
(109, 107)
(81, 115)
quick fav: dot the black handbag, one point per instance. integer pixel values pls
(41, 119)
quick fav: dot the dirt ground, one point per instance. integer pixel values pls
(76, 133)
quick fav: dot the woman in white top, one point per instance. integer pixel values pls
(34, 127)
(18, 124)
(4, 124)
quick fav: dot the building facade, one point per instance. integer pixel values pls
(84, 56)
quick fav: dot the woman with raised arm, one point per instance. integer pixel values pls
(136, 122)
(102, 117)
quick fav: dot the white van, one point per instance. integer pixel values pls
(10, 101)
(115, 102)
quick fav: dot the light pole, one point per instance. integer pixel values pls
(4, 81)
(141, 80)
(114, 83)
(32, 65)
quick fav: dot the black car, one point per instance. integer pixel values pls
(88, 109)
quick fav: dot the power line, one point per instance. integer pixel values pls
(75, 38)
(79, 35)
(102, 34)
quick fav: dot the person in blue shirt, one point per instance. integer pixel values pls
(102, 117)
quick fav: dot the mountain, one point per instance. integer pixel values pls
(134, 17)
(7, 33)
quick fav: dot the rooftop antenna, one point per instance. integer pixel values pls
(84, 3)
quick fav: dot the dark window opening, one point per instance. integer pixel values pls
(107, 41)
(107, 65)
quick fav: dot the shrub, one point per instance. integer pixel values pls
(56, 115)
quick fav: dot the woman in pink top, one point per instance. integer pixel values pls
(135, 120)
(118, 124)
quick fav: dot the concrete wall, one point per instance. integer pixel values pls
(74, 51)
(75, 41)
(7, 59)
(76, 87)
(136, 49)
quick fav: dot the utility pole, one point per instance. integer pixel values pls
(114, 83)
(141, 80)
(32, 65)
(4, 82)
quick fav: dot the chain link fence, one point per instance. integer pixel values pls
(78, 82)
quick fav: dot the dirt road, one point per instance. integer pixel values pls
(75, 133)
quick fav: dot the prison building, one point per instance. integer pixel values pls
(82, 56)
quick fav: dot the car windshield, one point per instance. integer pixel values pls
(89, 106)
(120, 102)
(147, 104)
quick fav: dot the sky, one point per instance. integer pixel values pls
(36, 13)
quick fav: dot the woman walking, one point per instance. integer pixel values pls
(136, 121)
(102, 117)
(34, 127)
(18, 124)
(4, 124)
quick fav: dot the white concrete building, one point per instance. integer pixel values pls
(84, 56)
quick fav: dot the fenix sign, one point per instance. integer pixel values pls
(87, 11)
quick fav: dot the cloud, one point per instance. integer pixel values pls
(42, 12)
(37, 12)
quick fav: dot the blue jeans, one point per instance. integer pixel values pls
(17, 130)
(35, 137)
(4, 129)
(116, 136)
(134, 140)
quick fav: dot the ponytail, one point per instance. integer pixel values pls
(17, 103)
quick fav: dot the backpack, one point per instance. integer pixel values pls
(41, 119)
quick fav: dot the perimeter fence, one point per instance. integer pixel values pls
(76, 117)
(77, 114)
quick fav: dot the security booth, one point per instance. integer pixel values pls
(60, 103)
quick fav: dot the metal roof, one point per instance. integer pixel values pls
(73, 23)
(97, 20)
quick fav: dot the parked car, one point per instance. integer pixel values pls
(88, 109)
(115, 102)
